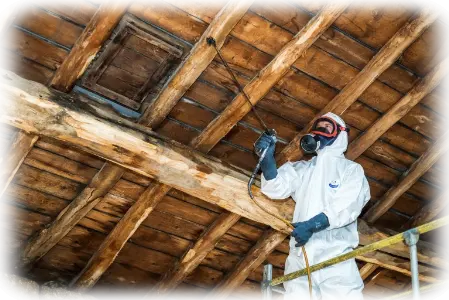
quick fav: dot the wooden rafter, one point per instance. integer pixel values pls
(431, 210)
(8, 15)
(389, 53)
(195, 255)
(197, 61)
(419, 167)
(267, 78)
(175, 165)
(21, 146)
(258, 253)
(109, 249)
(367, 270)
(48, 237)
(399, 110)
(88, 44)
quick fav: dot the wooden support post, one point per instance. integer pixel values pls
(88, 44)
(367, 270)
(399, 110)
(198, 60)
(419, 167)
(267, 78)
(115, 241)
(389, 53)
(431, 210)
(195, 255)
(20, 147)
(8, 15)
(140, 151)
(258, 253)
(48, 237)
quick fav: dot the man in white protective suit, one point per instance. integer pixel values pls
(330, 192)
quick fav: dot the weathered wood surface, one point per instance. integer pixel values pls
(358, 85)
(9, 14)
(195, 255)
(199, 58)
(398, 111)
(46, 239)
(430, 210)
(116, 240)
(270, 240)
(419, 167)
(267, 78)
(171, 165)
(367, 270)
(19, 149)
(88, 44)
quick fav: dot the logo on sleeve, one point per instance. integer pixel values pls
(334, 184)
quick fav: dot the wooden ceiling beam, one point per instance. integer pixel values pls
(198, 60)
(398, 111)
(48, 237)
(195, 255)
(257, 255)
(21, 146)
(33, 107)
(389, 53)
(88, 44)
(430, 210)
(8, 15)
(418, 168)
(267, 78)
(367, 270)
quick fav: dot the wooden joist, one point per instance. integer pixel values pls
(430, 210)
(195, 255)
(199, 58)
(419, 167)
(121, 233)
(48, 237)
(267, 78)
(22, 144)
(88, 44)
(399, 110)
(389, 53)
(367, 270)
(8, 15)
(258, 253)
(33, 107)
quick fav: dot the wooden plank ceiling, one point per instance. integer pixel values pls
(89, 223)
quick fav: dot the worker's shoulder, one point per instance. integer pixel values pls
(353, 166)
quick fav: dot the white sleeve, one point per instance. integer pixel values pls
(288, 179)
(348, 202)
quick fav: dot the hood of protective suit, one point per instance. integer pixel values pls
(340, 145)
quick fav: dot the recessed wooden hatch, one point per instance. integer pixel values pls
(136, 62)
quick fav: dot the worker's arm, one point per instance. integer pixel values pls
(286, 182)
(349, 200)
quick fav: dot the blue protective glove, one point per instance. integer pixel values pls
(303, 230)
(268, 164)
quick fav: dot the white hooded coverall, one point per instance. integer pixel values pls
(336, 186)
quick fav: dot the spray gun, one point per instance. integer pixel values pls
(271, 132)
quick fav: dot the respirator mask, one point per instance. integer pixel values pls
(320, 137)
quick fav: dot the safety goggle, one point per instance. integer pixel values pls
(335, 131)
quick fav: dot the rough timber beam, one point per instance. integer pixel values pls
(267, 78)
(367, 270)
(195, 255)
(431, 210)
(199, 58)
(419, 167)
(389, 53)
(399, 110)
(20, 147)
(48, 237)
(34, 108)
(88, 44)
(8, 15)
(258, 253)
